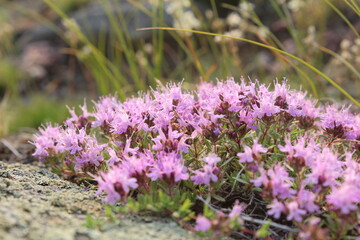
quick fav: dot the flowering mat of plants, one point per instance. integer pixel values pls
(226, 159)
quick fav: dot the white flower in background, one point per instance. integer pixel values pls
(233, 19)
(140, 56)
(175, 6)
(148, 48)
(310, 39)
(296, 5)
(232, 33)
(187, 21)
(184, 18)
(209, 14)
(350, 50)
(246, 9)
(72, 31)
(263, 31)
(345, 44)
(84, 53)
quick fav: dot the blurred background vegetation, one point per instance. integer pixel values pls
(55, 53)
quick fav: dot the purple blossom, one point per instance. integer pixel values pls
(47, 141)
(90, 155)
(202, 224)
(73, 139)
(276, 208)
(266, 104)
(172, 141)
(280, 182)
(205, 175)
(246, 116)
(253, 153)
(337, 123)
(150, 137)
(236, 211)
(116, 184)
(344, 198)
(262, 179)
(304, 149)
(169, 167)
(106, 109)
(306, 200)
(113, 157)
(78, 121)
(277, 180)
(120, 122)
(325, 169)
(128, 151)
(137, 165)
(212, 159)
(294, 211)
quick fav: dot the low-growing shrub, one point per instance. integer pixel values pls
(231, 158)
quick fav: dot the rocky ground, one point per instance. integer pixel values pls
(37, 204)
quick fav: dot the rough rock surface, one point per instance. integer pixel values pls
(37, 204)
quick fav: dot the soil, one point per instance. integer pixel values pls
(37, 204)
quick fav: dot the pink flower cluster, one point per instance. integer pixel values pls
(304, 157)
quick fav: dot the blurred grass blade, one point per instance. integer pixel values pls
(270, 48)
(343, 17)
(354, 6)
(343, 60)
(102, 68)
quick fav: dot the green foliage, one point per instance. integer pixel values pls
(37, 111)
(263, 232)
(179, 205)
(9, 77)
(92, 222)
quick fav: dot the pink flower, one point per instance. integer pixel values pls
(325, 169)
(105, 112)
(212, 159)
(266, 103)
(345, 198)
(236, 211)
(91, 154)
(276, 208)
(208, 173)
(276, 179)
(202, 224)
(48, 141)
(205, 175)
(136, 165)
(120, 122)
(280, 179)
(294, 211)
(253, 153)
(73, 139)
(169, 167)
(306, 199)
(116, 184)
(78, 121)
(113, 157)
(172, 141)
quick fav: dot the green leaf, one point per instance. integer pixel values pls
(263, 232)
(219, 198)
(240, 180)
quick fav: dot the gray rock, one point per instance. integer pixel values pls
(58, 210)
